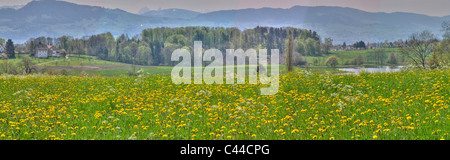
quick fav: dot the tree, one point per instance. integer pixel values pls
(328, 43)
(332, 61)
(8, 67)
(300, 46)
(30, 46)
(378, 56)
(177, 39)
(162, 41)
(156, 53)
(420, 47)
(2, 42)
(310, 46)
(441, 54)
(358, 60)
(392, 59)
(145, 54)
(446, 29)
(63, 42)
(27, 64)
(64, 54)
(289, 55)
(386, 44)
(10, 50)
(434, 61)
(298, 59)
(131, 50)
(360, 45)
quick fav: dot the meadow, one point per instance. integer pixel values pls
(350, 55)
(409, 105)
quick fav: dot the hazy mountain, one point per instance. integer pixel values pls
(143, 10)
(342, 24)
(56, 18)
(12, 7)
(170, 13)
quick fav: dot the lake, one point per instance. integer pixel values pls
(381, 69)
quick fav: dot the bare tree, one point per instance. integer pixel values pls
(28, 65)
(392, 59)
(378, 56)
(420, 46)
(289, 55)
(446, 29)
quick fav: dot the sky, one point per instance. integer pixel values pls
(427, 7)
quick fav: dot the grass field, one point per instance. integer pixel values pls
(125, 72)
(167, 70)
(70, 61)
(82, 60)
(403, 105)
(89, 65)
(349, 56)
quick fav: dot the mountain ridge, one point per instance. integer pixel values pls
(57, 18)
(171, 13)
(341, 24)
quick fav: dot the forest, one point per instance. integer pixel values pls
(155, 46)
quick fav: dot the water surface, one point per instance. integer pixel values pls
(381, 69)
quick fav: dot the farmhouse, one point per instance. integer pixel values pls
(335, 48)
(57, 52)
(46, 51)
(42, 52)
(3, 56)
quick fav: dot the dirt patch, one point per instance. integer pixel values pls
(90, 68)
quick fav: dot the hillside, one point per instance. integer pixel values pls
(342, 24)
(171, 13)
(56, 18)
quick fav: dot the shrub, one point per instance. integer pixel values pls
(332, 61)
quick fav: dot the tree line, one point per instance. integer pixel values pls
(154, 46)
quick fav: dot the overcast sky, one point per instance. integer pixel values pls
(428, 7)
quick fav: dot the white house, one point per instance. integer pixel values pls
(48, 51)
(57, 52)
(42, 52)
(1, 49)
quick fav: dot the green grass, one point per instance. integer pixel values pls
(349, 56)
(71, 61)
(168, 70)
(124, 72)
(83, 60)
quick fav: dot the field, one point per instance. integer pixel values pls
(75, 60)
(382, 106)
(349, 56)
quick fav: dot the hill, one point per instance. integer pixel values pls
(55, 18)
(171, 13)
(342, 24)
